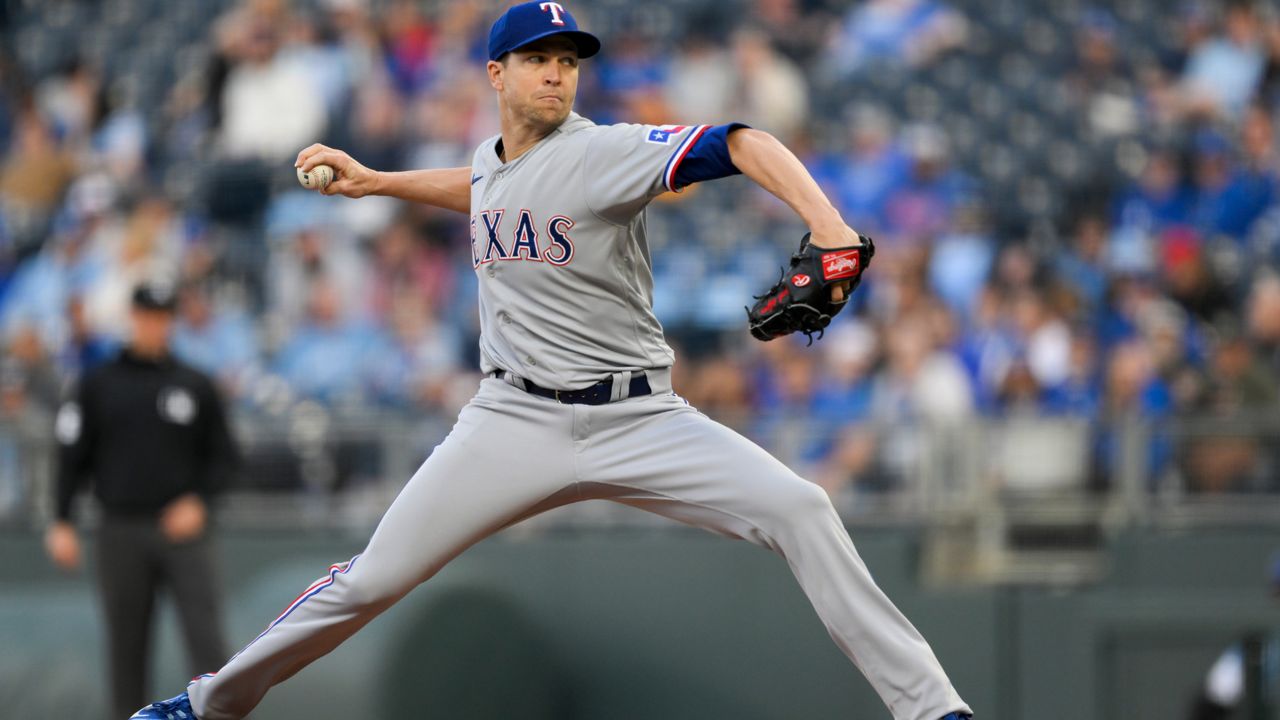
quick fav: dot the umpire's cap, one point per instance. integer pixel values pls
(155, 295)
(522, 24)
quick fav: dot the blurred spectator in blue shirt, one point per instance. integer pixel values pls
(306, 243)
(1158, 199)
(1080, 263)
(844, 382)
(1134, 390)
(960, 261)
(862, 180)
(1258, 164)
(39, 291)
(906, 32)
(66, 266)
(329, 358)
(1223, 73)
(1231, 196)
(924, 206)
(634, 65)
(785, 389)
(1116, 323)
(409, 46)
(217, 339)
(1227, 199)
(1080, 393)
(84, 348)
(987, 347)
(841, 442)
(420, 357)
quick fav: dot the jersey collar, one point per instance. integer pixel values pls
(573, 123)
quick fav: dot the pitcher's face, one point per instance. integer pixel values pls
(539, 81)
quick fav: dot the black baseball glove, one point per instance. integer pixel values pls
(801, 299)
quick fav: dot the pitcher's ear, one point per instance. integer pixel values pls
(495, 70)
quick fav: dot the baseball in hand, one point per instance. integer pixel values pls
(319, 177)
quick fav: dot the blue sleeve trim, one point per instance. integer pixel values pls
(706, 159)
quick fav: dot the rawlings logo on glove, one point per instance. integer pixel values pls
(840, 264)
(801, 299)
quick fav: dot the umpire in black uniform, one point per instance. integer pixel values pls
(151, 434)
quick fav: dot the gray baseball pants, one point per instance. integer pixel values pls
(653, 452)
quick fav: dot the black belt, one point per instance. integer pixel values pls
(598, 394)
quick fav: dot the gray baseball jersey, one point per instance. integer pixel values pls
(558, 237)
(558, 240)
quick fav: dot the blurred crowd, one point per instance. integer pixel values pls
(1149, 291)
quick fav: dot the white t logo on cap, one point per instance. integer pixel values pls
(555, 8)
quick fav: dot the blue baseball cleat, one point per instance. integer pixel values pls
(948, 716)
(175, 708)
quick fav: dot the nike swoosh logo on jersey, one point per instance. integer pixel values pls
(476, 178)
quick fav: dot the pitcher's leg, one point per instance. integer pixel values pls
(681, 464)
(506, 458)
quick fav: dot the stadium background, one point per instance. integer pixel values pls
(1050, 421)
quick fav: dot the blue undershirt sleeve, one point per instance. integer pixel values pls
(708, 159)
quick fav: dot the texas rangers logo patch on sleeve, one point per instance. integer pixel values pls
(839, 265)
(662, 135)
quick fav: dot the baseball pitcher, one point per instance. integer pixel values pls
(578, 375)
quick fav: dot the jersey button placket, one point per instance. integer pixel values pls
(490, 186)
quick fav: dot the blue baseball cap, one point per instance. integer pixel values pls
(526, 22)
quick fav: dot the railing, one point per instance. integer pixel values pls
(1039, 492)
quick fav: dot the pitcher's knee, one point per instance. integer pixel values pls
(373, 590)
(802, 500)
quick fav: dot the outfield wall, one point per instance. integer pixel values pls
(633, 625)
